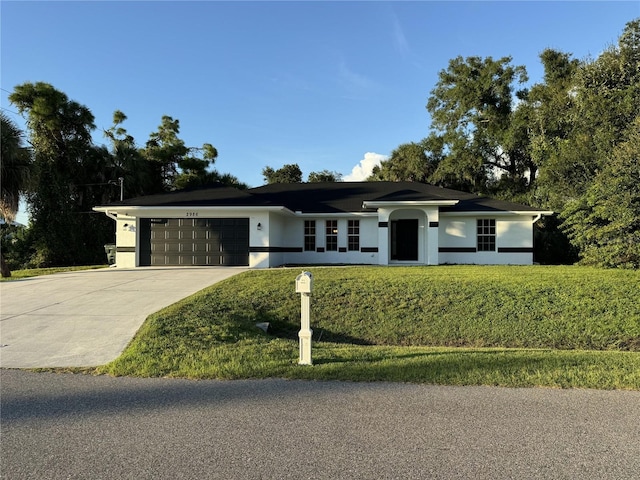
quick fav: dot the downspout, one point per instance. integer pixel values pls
(111, 215)
(536, 218)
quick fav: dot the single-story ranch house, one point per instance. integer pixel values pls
(379, 223)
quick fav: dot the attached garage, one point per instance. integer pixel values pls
(194, 241)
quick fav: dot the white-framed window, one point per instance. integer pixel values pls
(486, 235)
(353, 235)
(331, 235)
(310, 235)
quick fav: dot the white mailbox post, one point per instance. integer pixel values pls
(304, 286)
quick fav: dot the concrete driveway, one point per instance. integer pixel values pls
(86, 318)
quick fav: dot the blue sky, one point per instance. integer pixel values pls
(322, 84)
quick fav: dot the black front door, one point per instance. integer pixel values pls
(404, 240)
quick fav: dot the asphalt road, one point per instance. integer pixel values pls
(62, 426)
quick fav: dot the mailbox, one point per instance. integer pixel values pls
(304, 282)
(304, 285)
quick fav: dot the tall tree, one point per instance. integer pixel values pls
(324, 176)
(549, 113)
(177, 166)
(65, 161)
(165, 150)
(15, 172)
(583, 132)
(289, 173)
(592, 172)
(580, 114)
(413, 162)
(605, 222)
(472, 108)
(129, 163)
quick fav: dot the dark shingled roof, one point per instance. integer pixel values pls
(211, 196)
(329, 197)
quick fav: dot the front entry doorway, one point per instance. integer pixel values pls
(404, 240)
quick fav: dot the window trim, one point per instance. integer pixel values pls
(331, 235)
(486, 235)
(353, 235)
(309, 236)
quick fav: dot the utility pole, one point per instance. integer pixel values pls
(121, 180)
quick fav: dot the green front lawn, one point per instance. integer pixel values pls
(462, 325)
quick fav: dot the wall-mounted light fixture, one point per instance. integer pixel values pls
(125, 225)
(259, 226)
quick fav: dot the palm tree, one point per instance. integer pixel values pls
(15, 168)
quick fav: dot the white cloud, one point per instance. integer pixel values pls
(352, 79)
(364, 168)
(399, 38)
(355, 85)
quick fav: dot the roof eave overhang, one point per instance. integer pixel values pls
(182, 211)
(528, 213)
(335, 214)
(409, 203)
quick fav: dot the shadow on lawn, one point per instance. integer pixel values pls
(284, 329)
(444, 361)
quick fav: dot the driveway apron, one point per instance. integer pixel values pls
(87, 318)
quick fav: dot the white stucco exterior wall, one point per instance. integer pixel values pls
(433, 239)
(515, 232)
(383, 235)
(126, 241)
(457, 232)
(259, 239)
(293, 232)
(514, 241)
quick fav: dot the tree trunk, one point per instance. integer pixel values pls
(4, 267)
